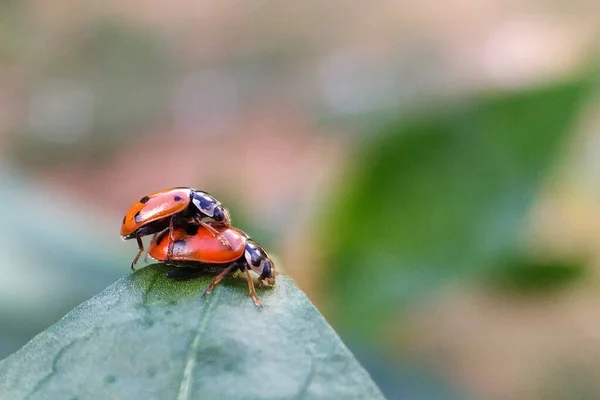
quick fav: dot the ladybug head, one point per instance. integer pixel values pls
(260, 262)
(267, 277)
(221, 215)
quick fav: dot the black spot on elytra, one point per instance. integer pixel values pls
(144, 199)
(137, 217)
(177, 198)
(124, 218)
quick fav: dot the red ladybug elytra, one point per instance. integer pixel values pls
(194, 244)
(164, 209)
(195, 249)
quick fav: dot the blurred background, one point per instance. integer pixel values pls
(427, 174)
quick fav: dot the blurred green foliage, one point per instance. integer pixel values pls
(129, 69)
(531, 276)
(125, 73)
(13, 30)
(440, 195)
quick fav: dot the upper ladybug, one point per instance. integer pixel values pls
(160, 210)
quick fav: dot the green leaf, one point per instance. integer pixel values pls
(533, 276)
(149, 337)
(441, 195)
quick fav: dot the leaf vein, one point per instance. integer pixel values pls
(185, 388)
(303, 390)
(54, 369)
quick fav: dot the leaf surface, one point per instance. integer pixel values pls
(149, 337)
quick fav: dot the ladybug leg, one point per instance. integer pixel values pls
(152, 241)
(140, 251)
(218, 278)
(252, 290)
(216, 234)
(171, 239)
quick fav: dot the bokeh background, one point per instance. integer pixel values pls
(427, 173)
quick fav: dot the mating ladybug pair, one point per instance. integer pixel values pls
(192, 231)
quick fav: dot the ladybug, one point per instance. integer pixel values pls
(196, 250)
(166, 208)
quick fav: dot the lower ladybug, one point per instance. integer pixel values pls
(195, 250)
(164, 209)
